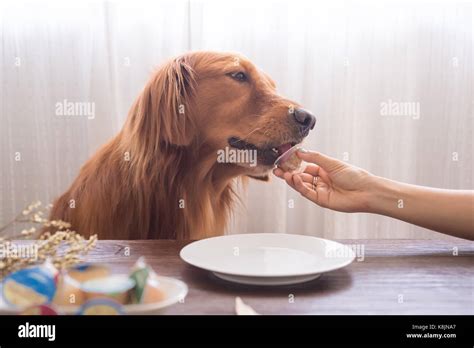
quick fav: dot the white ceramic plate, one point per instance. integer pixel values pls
(267, 258)
(174, 289)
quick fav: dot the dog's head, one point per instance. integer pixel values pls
(224, 104)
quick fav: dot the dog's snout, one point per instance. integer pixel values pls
(305, 119)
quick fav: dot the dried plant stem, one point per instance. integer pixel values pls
(63, 247)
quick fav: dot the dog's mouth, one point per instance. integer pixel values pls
(266, 154)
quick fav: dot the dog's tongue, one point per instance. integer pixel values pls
(283, 148)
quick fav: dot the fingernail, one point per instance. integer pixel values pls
(303, 150)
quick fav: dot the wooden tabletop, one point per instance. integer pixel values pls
(389, 277)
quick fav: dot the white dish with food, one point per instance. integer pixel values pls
(174, 290)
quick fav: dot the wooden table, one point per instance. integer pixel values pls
(394, 277)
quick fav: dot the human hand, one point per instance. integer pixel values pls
(331, 183)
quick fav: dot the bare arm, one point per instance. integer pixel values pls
(339, 186)
(446, 211)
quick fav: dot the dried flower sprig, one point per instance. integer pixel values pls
(63, 247)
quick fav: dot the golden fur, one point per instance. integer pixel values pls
(158, 177)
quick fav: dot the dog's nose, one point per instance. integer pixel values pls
(304, 118)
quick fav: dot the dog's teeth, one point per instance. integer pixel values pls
(274, 149)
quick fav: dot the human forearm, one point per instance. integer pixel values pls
(446, 211)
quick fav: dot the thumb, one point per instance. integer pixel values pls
(327, 163)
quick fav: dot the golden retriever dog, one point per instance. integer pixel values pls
(164, 176)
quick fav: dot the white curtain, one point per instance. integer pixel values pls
(345, 61)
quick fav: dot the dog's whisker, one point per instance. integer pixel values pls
(251, 132)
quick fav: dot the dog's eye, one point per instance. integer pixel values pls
(238, 76)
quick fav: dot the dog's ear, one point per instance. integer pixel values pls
(265, 177)
(165, 104)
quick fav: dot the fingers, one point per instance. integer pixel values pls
(282, 175)
(312, 169)
(285, 176)
(304, 189)
(278, 172)
(289, 177)
(303, 182)
(308, 178)
(326, 162)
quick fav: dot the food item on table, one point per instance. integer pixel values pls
(68, 291)
(39, 310)
(82, 283)
(87, 271)
(90, 286)
(147, 289)
(101, 306)
(115, 287)
(30, 286)
(289, 161)
(152, 292)
(243, 309)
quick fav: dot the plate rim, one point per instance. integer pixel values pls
(303, 273)
(268, 281)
